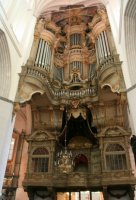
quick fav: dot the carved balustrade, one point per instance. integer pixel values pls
(43, 76)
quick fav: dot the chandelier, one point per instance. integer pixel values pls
(64, 159)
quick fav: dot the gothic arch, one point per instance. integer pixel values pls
(5, 68)
(130, 37)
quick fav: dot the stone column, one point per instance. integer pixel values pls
(18, 160)
(6, 129)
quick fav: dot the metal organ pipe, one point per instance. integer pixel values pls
(41, 53)
(77, 65)
(107, 44)
(75, 39)
(99, 48)
(47, 59)
(102, 47)
(97, 54)
(44, 55)
(38, 51)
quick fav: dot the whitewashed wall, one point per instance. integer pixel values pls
(116, 12)
(16, 27)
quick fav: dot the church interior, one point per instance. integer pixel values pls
(73, 137)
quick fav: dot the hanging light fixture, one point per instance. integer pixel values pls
(64, 160)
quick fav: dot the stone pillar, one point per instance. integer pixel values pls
(6, 129)
(18, 160)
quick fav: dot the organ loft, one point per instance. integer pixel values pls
(79, 141)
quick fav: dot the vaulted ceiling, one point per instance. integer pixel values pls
(42, 6)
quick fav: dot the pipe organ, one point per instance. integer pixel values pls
(79, 76)
(44, 55)
(72, 50)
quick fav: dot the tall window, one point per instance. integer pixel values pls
(11, 149)
(115, 157)
(40, 160)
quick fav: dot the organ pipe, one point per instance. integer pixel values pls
(44, 55)
(38, 51)
(77, 65)
(102, 47)
(97, 55)
(103, 44)
(75, 39)
(107, 45)
(41, 53)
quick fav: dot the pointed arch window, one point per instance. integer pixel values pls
(115, 157)
(40, 160)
